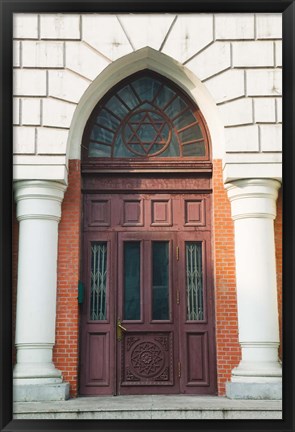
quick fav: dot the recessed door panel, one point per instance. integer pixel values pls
(147, 359)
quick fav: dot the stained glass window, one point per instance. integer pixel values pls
(98, 297)
(194, 281)
(145, 117)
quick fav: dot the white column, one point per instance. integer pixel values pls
(253, 206)
(38, 213)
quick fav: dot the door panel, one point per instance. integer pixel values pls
(197, 349)
(98, 314)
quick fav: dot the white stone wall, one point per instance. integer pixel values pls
(237, 57)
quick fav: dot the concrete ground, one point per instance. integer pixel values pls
(150, 407)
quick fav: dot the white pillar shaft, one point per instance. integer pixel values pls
(256, 280)
(253, 204)
(38, 212)
(36, 297)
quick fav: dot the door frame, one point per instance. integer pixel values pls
(195, 186)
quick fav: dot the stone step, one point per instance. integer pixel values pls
(149, 407)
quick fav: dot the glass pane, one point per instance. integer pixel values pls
(191, 134)
(100, 134)
(184, 119)
(194, 149)
(99, 150)
(164, 97)
(98, 281)
(160, 293)
(128, 96)
(117, 107)
(146, 88)
(131, 280)
(107, 119)
(194, 281)
(175, 107)
(173, 148)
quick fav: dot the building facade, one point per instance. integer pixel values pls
(147, 179)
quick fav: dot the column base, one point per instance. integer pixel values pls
(254, 390)
(41, 392)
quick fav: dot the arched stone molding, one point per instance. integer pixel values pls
(146, 58)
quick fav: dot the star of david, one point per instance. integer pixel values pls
(145, 133)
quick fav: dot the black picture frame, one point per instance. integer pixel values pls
(7, 8)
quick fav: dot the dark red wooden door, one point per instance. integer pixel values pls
(148, 317)
(148, 349)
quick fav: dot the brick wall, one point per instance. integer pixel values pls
(279, 259)
(227, 346)
(66, 350)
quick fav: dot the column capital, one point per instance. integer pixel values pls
(253, 198)
(38, 199)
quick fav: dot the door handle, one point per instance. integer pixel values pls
(119, 330)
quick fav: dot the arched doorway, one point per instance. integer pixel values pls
(147, 322)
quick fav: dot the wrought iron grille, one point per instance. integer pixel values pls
(98, 298)
(194, 281)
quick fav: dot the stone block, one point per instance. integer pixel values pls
(271, 137)
(253, 54)
(16, 107)
(29, 82)
(41, 392)
(189, 35)
(227, 86)
(51, 141)
(249, 390)
(66, 85)
(25, 26)
(33, 171)
(264, 110)
(105, 34)
(16, 53)
(60, 26)
(234, 26)
(269, 26)
(234, 171)
(31, 111)
(242, 139)
(213, 60)
(85, 61)
(57, 113)
(279, 110)
(23, 140)
(278, 54)
(146, 29)
(42, 54)
(238, 112)
(264, 82)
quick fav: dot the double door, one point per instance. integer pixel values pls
(147, 322)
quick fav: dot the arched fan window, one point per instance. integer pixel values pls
(145, 117)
